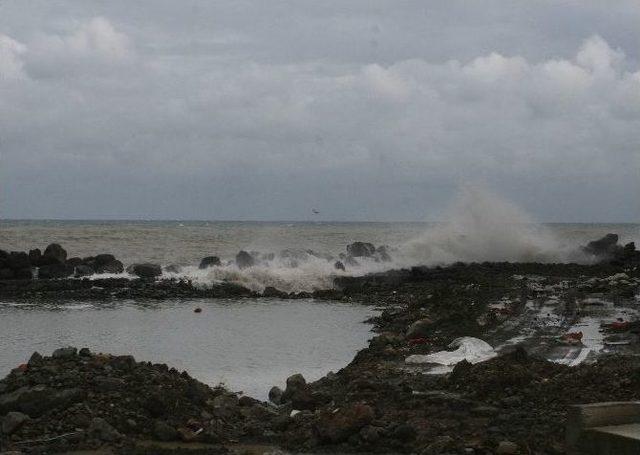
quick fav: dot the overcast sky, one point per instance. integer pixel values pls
(363, 110)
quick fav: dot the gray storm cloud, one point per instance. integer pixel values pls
(111, 115)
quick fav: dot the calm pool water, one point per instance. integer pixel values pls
(250, 345)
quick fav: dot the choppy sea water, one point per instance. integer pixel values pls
(249, 345)
(186, 242)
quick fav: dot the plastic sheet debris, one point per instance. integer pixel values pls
(473, 350)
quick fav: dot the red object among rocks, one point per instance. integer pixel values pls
(620, 326)
(572, 336)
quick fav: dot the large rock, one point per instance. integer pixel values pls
(103, 431)
(18, 260)
(145, 270)
(13, 421)
(51, 271)
(37, 400)
(54, 254)
(35, 256)
(420, 329)
(105, 263)
(209, 261)
(338, 426)
(6, 274)
(361, 249)
(4, 257)
(244, 260)
(605, 246)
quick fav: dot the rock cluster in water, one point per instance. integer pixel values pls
(53, 263)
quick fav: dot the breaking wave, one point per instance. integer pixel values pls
(479, 226)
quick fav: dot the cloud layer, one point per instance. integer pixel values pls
(107, 116)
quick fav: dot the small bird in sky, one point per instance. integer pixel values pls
(315, 212)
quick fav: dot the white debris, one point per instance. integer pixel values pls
(473, 350)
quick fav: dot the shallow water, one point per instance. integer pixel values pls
(250, 345)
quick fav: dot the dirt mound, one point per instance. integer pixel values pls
(82, 400)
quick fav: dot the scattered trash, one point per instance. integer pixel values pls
(473, 350)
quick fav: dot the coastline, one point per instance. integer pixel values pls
(513, 400)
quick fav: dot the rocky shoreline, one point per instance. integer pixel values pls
(542, 359)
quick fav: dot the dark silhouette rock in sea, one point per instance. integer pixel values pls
(145, 270)
(361, 249)
(209, 261)
(244, 260)
(53, 254)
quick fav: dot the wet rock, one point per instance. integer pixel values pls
(102, 430)
(53, 254)
(106, 263)
(6, 274)
(54, 270)
(145, 270)
(83, 270)
(64, 353)
(422, 328)
(23, 274)
(38, 399)
(13, 421)
(209, 261)
(295, 383)
(507, 448)
(4, 256)
(404, 432)
(18, 260)
(35, 256)
(35, 359)
(361, 249)
(164, 432)
(275, 395)
(370, 434)
(339, 265)
(270, 291)
(244, 260)
(173, 268)
(338, 426)
(439, 445)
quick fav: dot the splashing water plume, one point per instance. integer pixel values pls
(481, 226)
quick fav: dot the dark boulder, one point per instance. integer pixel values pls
(4, 257)
(605, 246)
(37, 400)
(23, 274)
(75, 261)
(209, 261)
(244, 260)
(145, 270)
(335, 427)
(18, 260)
(54, 254)
(107, 263)
(339, 265)
(6, 274)
(35, 255)
(82, 270)
(270, 291)
(361, 249)
(52, 271)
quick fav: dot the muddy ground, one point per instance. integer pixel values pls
(563, 334)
